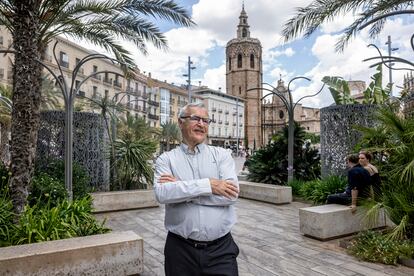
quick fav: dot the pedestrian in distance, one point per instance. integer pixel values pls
(198, 185)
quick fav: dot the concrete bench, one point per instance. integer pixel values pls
(265, 192)
(117, 253)
(123, 200)
(331, 221)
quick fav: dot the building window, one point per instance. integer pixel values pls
(244, 32)
(251, 61)
(281, 114)
(239, 90)
(106, 93)
(229, 63)
(64, 60)
(95, 68)
(1, 41)
(239, 61)
(95, 92)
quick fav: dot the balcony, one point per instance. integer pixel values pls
(81, 93)
(226, 123)
(226, 112)
(129, 89)
(64, 64)
(220, 110)
(96, 77)
(214, 109)
(220, 122)
(234, 113)
(145, 95)
(153, 117)
(107, 81)
(172, 101)
(240, 125)
(240, 115)
(117, 84)
(153, 103)
(234, 124)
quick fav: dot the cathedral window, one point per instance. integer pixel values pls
(251, 61)
(229, 63)
(239, 61)
(244, 32)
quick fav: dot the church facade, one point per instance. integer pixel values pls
(264, 116)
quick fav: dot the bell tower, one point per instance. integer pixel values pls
(243, 72)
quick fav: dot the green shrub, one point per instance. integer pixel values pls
(6, 221)
(318, 190)
(375, 247)
(56, 169)
(296, 185)
(269, 164)
(46, 189)
(4, 179)
(65, 220)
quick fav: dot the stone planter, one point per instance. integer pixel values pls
(406, 262)
(117, 253)
(123, 200)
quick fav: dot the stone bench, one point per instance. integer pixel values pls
(265, 192)
(123, 200)
(332, 221)
(117, 253)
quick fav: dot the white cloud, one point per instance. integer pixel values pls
(215, 78)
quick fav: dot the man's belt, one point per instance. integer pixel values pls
(200, 244)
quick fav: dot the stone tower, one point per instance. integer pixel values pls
(243, 72)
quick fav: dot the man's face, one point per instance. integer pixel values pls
(363, 161)
(194, 132)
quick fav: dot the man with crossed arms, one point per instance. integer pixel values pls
(198, 185)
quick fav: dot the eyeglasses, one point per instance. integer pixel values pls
(195, 118)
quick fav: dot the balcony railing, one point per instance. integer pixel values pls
(172, 101)
(117, 84)
(220, 121)
(234, 124)
(234, 113)
(226, 112)
(226, 123)
(153, 103)
(97, 77)
(64, 63)
(145, 95)
(107, 81)
(214, 109)
(220, 110)
(153, 116)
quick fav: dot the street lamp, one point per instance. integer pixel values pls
(189, 77)
(390, 64)
(69, 93)
(290, 107)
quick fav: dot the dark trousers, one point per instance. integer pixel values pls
(341, 198)
(186, 257)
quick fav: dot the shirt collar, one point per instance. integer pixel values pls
(197, 149)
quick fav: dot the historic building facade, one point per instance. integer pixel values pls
(409, 96)
(244, 72)
(227, 113)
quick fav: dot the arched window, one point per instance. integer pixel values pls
(251, 61)
(239, 61)
(244, 32)
(239, 90)
(229, 63)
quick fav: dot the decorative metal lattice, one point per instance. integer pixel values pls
(90, 143)
(338, 136)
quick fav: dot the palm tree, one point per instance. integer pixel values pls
(372, 13)
(170, 134)
(393, 141)
(34, 23)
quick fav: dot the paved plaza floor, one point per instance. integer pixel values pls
(269, 241)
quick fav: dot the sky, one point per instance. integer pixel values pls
(314, 57)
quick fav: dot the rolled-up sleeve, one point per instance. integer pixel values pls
(227, 172)
(178, 191)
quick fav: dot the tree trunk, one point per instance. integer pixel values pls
(26, 99)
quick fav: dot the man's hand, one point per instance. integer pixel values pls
(166, 178)
(224, 188)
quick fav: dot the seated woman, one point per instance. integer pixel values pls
(365, 161)
(358, 183)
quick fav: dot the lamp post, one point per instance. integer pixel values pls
(69, 92)
(290, 107)
(189, 77)
(390, 64)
